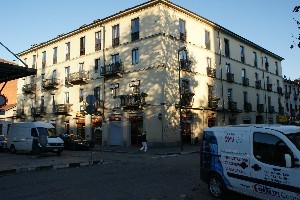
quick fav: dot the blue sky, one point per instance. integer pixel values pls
(268, 23)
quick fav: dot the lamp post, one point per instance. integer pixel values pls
(180, 101)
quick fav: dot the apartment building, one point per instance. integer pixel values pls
(150, 67)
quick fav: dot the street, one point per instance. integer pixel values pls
(123, 176)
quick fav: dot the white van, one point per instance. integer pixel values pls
(31, 136)
(258, 160)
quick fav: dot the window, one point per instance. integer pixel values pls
(54, 55)
(81, 67)
(245, 97)
(207, 40)
(135, 56)
(228, 68)
(270, 149)
(266, 63)
(256, 76)
(115, 35)
(54, 74)
(257, 99)
(255, 59)
(115, 58)
(227, 50)
(68, 50)
(276, 68)
(242, 54)
(97, 93)
(185, 86)
(268, 80)
(97, 65)
(278, 83)
(67, 74)
(44, 59)
(208, 60)
(182, 30)
(182, 55)
(82, 46)
(114, 90)
(98, 41)
(80, 95)
(33, 61)
(135, 29)
(67, 97)
(243, 73)
(42, 101)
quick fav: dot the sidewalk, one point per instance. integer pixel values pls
(17, 163)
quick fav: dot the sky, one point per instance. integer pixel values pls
(267, 23)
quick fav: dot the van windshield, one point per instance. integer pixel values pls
(50, 132)
(295, 138)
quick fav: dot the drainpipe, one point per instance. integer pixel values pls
(103, 55)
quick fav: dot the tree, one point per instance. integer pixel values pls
(296, 39)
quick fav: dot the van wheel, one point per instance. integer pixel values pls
(216, 187)
(13, 149)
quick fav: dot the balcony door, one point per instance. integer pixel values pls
(136, 129)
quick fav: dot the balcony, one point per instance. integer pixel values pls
(211, 72)
(67, 56)
(19, 113)
(50, 84)
(230, 77)
(183, 37)
(232, 105)
(38, 111)
(133, 101)
(245, 81)
(207, 45)
(260, 108)
(213, 102)
(54, 60)
(247, 107)
(279, 90)
(281, 110)
(76, 78)
(287, 95)
(114, 69)
(135, 36)
(62, 109)
(258, 84)
(43, 64)
(82, 51)
(271, 109)
(295, 97)
(267, 66)
(269, 87)
(185, 64)
(187, 99)
(243, 59)
(293, 112)
(29, 88)
(115, 42)
(98, 47)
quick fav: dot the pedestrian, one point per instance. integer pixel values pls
(144, 141)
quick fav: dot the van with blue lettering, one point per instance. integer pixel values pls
(258, 160)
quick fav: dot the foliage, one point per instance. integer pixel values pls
(296, 39)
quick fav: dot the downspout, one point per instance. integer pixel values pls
(103, 55)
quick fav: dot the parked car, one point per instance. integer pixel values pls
(74, 142)
(3, 143)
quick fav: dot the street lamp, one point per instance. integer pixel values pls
(180, 101)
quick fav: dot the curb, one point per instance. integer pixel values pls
(51, 167)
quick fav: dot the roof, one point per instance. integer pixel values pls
(142, 6)
(11, 71)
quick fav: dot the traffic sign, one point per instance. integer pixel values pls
(91, 99)
(90, 109)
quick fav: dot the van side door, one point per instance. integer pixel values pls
(270, 178)
(235, 159)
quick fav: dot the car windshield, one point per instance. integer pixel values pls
(295, 139)
(75, 137)
(50, 132)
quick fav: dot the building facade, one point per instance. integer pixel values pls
(150, 67)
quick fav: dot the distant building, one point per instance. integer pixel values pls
(130, 61)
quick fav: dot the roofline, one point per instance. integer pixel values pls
(143, 6)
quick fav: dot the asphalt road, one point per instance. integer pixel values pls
(139, 177)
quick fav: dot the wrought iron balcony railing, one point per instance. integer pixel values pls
(135, 36)
(133, 101)
(271, 109)
(68, 56)
(260, 108)
(269, 87)
(112, 70)
(187, 99)
(230, 77)
(19, 113)
(98, 47)
(211, 72)
(279, 90)
(246, 81)
(258, 84)
(29, 88)
(232, 105)
(295, 97)
(82, 51)
(183, 37)
(287, 95)
(115, 42)
(52, 83)
(38, 111)
(213, 102)
(62, 109)
(247, 107)
(78, 77)
(185, 64)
